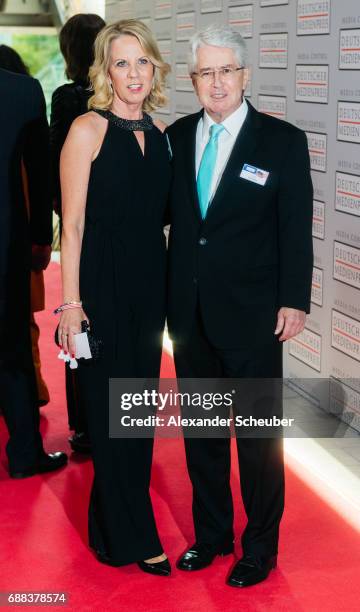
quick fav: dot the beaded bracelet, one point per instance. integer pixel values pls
(67, 306)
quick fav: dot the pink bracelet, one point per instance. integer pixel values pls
(67, 306)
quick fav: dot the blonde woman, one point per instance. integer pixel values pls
(115, 175)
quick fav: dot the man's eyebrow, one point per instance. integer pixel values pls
(212, 68)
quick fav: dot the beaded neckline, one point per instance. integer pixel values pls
(144, 124)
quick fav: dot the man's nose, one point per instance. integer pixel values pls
(217, 79)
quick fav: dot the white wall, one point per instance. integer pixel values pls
(305, 58)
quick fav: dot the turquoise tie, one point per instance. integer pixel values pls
(206, 169)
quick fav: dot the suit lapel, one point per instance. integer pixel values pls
(190, 163)
(244, 146)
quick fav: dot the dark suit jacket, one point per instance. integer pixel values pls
(253, 252)
(24, 136)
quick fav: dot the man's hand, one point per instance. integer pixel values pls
(40, 257)
(290, 322)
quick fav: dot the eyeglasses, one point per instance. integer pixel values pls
(225, 73)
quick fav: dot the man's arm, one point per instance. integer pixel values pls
(36, 161)
(295, 212)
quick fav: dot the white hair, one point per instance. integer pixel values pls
(217, 36)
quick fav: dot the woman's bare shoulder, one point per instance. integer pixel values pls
(88, 127)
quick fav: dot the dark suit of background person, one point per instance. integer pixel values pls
(229, 275)
(24, 137)
(68, 102)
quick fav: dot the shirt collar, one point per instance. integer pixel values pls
(232, 124)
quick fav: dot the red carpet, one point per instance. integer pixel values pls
(44, 521)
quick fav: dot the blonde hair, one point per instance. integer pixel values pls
(98, 74)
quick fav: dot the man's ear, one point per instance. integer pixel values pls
(246, 77)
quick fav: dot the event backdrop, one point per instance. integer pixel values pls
(305, 68)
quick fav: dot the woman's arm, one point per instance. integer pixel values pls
(75, 162)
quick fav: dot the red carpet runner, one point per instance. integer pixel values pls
(43, 543)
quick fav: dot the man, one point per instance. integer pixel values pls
(239, 285)
(23, 244)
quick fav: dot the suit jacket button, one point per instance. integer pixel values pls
(195, 280)
(202, 241)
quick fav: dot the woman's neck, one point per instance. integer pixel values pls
(127, 111)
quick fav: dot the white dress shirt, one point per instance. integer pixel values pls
(226, 141)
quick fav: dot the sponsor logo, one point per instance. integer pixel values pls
(313, 17)
(272, 105)
(273, 50)
(306, 347)
(163, 9)
(211, 6)
(318, 226)
(347, 193)
(343, 397)
(165, 49)
(183, 80)
(312, 83)
(241, 19)
(318, 150)
(185, 26)
(348, 121)
(317, 286)
(345, 334)
(349, 52)
(347, 264)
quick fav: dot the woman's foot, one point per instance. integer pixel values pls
(162, 557)
(159, 566)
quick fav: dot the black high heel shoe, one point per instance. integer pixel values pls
(161, 568)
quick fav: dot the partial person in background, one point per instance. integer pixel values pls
(68, 102)
(24, 244)
(11, 60)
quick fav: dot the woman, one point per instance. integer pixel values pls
(77, 37)
(115, 175)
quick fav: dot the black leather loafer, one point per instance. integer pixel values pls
(249, 571)
(48, 463)
(80, 443)
(161, 568)
(201, 555)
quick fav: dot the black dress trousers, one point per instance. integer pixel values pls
(208, 459)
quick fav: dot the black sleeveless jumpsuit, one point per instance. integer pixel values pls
(122, 286)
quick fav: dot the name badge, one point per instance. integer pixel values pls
(253, 174)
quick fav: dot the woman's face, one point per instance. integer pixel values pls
(131, 71)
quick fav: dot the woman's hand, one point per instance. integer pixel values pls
(70, 324)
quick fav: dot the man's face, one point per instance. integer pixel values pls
(220, 95)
